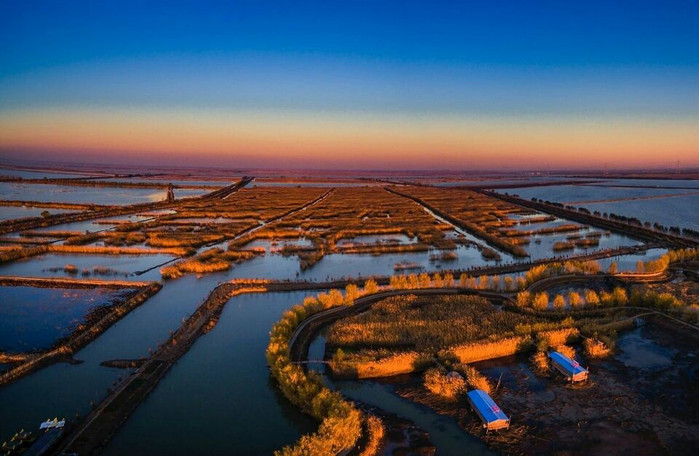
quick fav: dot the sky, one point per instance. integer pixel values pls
(351, 85)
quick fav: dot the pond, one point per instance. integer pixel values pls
(34, 318)
(18, 212)
(54, 265)
(87, 195)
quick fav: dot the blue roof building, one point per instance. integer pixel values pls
(568, 367)
(487, 410)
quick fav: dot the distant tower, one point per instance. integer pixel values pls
(170, 194)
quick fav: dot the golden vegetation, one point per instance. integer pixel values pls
(595, 348)
(340, 426)
(212, 260)
(487, 349)
(447, 385)
(423, 323)
(375, 432)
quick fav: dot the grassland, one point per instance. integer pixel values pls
(408, 333)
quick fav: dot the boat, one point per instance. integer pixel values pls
(18, 443)
(26, 444)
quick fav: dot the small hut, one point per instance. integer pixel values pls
(573, 371)
(487, 410)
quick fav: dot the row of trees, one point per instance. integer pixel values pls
(341, 421)
(542, 301)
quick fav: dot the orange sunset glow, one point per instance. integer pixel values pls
(259, 138)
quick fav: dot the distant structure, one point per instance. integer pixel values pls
(170, 194)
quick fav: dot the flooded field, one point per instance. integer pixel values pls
(666, 206)
(18, 212)
(34, 318)
(87, 195)
(81, 265)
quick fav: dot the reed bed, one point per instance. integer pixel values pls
(423, 323)
(482, 350)
(212, 260)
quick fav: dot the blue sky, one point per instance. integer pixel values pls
(617, 60)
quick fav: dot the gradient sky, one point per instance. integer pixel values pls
(357, 85)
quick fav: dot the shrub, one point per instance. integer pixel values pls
(541, 361)
(595, 348)
(448, 386)
(541, 301)
(559, 302)
(591, 298)
(475, 379)
(574, 299)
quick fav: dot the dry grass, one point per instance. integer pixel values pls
(566, 350)
(423, 323)
(474, 379)
(375, 364)
(595, 348)
(479, 351)
(212, 260)
(449, 386)
(375, 432)
(561, 336)
(541, 363)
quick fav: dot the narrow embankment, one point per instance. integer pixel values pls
(68, 282)
(632, 198)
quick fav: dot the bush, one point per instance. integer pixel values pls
(595, 348)
(449, 386)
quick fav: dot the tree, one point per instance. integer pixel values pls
(371, 287)
(574, 299)
(495, 282)
(640, 267)
(413, 281)
(351, 292)
(559, 302)
(591, 298)
(521, 283)
(508, 283)
(425, 281)
(613, 268)
(483, 282)
(448, 279)
(524, 299)
(619, 297)
(437, 280)
(541, 301)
